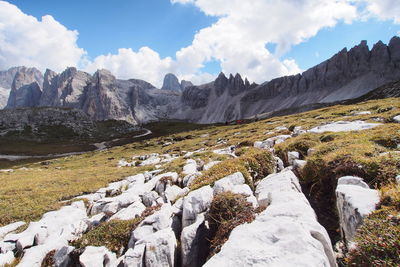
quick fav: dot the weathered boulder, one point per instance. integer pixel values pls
(354, 201)
(196, 202)
(135, 256)
(194, 247)
(157, 249)
(396, 118)
(292, 156)
(235, 183)
(61, 256)
(286, 232)
(159, 220)
(174, 192)
(97, 256)
(10, 228)
(132, 211)
(190, 167)
(188, 179)
(33, 257)
(149, 198)
(277, 182)
(67, 223)
(344, 126)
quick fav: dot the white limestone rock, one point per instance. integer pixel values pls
(277, 182)
(344, 126)
(159, 220)
(190, 167)
(6, 258)
(131, 212)
(287, 233)
(152, 160)
(95, 220)
(299, 164)
(136, 179)
(230, 150)
(34, 256)
(67, 223)
(352, 180)
(10, 228)
(196, 202)
(354, 201)
(396, 118)
(279, 164)
(149, 199)
(159, 249)
(61, 257)
(193, 243)
(235, 183)
(134, 256)
(188, 179)
(292, 156)
(97, 256)
(174, 192)
(209, 165)
(358, 113)
(227, 183)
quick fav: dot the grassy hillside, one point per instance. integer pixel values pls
(38, 187)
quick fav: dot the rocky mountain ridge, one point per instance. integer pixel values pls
(348, 74)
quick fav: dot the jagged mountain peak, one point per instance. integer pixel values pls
(171, 82)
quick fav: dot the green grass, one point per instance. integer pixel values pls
(113, 234)
(254, 164)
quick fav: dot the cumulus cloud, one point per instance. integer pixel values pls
(44, 43)
(384, 9)
(145, 64)
(237, 40)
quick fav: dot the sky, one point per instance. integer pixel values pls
(194, 39)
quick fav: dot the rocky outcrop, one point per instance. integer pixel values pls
(348, 74)
(171, 82)
(26, 88)
(286, 232)
(355, 200)
(65, 89)
(6, 80)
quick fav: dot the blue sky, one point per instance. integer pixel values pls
(157, 36)
(104, 25)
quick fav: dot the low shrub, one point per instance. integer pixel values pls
(300, 144)
(378, 241)
(227, 211)
(113, 234)
(254, 164)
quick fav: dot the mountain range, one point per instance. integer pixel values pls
(348, 74)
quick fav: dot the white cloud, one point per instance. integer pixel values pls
(145, 64)
(238, 39)
(24, 40)
(385, 9)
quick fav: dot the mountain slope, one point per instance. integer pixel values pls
(347, 75)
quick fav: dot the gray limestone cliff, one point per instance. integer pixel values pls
(347, 75)
(25, 88)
